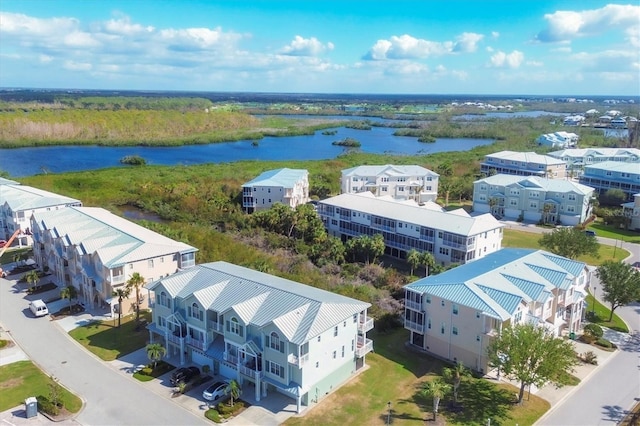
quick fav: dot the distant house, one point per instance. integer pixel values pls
(632, 211)
(401, 182)
(523, 164)
(451, 236)
(97, 252)
(558, 140)
(574, 120)
(274, 334)
(533, 199)
(19, 202)
(287, 186)
(455, 315)
(613, 175)
(577, 158)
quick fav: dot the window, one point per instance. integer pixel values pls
(454, 330)
(335, 331)
(384, 189)
(334, 355)
(162, 322)
(401, 189)
(428, 296)
(477, 314)
(429, 323)
(477, 338)
(355, 318)
(353, 342)
(342, 351)
(344, 324)
(131, 266)
(195, 312)
(319, 338)
(442, 303)
(275, 342)
(572, 197)
(234, 327)
(455, 309)
(442, 326)
(571, 209)
(164, 300)
(317, 364)
(275, 369)
(150, 263)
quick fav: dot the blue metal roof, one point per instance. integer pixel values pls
(532, 289)
(287, 178)
(555, 277)
(508, 301)
(572, 266)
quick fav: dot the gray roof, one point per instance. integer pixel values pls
(388, 169)
(536, 182)
(115, 240)
(502, 279)
(286, 178)
(24, 198)
(596, 152)
(526, 157)
(4, 181)
(457, 222)
(300, 311)
(615, 166)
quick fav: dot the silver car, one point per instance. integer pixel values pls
(215, 392)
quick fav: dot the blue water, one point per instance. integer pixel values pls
(379, 140)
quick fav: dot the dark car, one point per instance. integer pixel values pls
(590, 233)
(184, 375)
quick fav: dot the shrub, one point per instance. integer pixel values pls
(593, 330)
(388, 322)
(589, 357)
(147, 371)
(213, 415)
(47, 406)
(604, 343)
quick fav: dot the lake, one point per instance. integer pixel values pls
(379, 140)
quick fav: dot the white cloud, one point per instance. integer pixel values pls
(17, 23)
(563, 49)
(407, 47)
(45, 59)
(80, 39)
(507, 60)
(123, 26)
(489, 49)
(300, 46)
(568, 25)
(610, 61)
(535, 63)
(495, 34)
(77, 66)
(467, 42)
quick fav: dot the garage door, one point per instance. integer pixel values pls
(227, 371)
(200, 358)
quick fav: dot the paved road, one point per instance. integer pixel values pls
(111, 399)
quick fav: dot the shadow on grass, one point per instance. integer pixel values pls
(479, 400)
(392, 345)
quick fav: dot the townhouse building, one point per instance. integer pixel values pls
(523, 164)
(274, 334)
(560, 139)
(455, 314)
(19, 202)
(97, 252)
(613, 175)
(287, 186)
(452, 237)
(402, 182)
(632, 211)
(577, 158)
(534, 199)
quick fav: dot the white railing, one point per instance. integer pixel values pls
(250, 372)
(298, 361)
(364, 326)
(216, 326)
(413, 305)
(174, 339)
(414, 326)
(364, 347)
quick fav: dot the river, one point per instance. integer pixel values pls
(379, 140)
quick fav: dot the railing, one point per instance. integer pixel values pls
(490, 331)
(118, 279)
(250, 372)
(364, 326)
(414, 326)
(216, 326)
(298, 361)
(413, 305)
(175, 339)
(458, 245)
(364, 347)
(230, 358)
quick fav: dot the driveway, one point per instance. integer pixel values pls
(110, 399)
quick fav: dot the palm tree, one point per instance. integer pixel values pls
(413, 259)
(32, 278)
(232, 389)
(136, 281)
(122, 293)
(428, 261)
(455, 374)
(436, 389)
(69, 292)
(155, 352)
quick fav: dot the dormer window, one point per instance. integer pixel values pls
(195, 312)
(234, 327)
(275, 342)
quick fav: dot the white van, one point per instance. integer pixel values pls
(39, 308)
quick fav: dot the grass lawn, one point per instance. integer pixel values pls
(397, 375)
(602, 316)
(514, 238)
(606, 231)
(23, 379)
(109, 342)
(8, 255)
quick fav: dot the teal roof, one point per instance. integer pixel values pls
(286, 178)
(535, 291)
(555, 277)
(508, 301)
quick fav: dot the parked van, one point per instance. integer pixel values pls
(39, 308)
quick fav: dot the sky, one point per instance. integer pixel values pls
(525, 47)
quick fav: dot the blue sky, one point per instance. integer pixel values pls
(577, 47)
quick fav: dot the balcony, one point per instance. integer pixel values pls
(363, 347)
(255, 374)
(490, 331)
(414, 326)
(364, 326)
(233, 359)
(298, 361)
(175, 339)
(198, 344)
(216, 326)
(413, 305)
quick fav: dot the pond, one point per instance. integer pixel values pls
(379, 140)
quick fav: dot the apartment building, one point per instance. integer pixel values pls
(97, 252)
(19, 202)
(452, 237)
(558, 139)
(523, 164)
(613, 175)
(287, 186)
(275, 334)
(533, 199)
(577, 159)
(401, 182)
(455, 314)
(632, 211)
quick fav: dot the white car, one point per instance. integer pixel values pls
(215, 392)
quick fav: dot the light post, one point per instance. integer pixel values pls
(593, 308)
(389, 413)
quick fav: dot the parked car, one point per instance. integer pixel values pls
(3, 243)
(216, 391)
(184, 374)
(590, 233)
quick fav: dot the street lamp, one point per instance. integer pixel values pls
(389, 413)
(593, 309)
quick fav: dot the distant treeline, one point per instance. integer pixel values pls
(113, 103)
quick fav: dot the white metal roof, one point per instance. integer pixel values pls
(596, 152)
(454, 222)
(25, 198)
(300, 311)
(388, 169)
(286, 178)
(526, 157)
(544, 184)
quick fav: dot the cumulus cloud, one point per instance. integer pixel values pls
(507, 60)
(409, 47)
(301, 46)
(495, 34)
(610, 61)
(563, 26)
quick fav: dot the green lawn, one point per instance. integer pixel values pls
(606, 231)
(602, 313)
(395, 374)
(22, 379)
(109, 342)
(8, 256)
(515, 238)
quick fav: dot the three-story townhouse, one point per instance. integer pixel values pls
(286, 186)
(261, 330)
(613, 175)
(523, 164)
(403, 182)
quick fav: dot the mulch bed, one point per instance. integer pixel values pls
(42, 288)
(64, 312)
